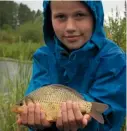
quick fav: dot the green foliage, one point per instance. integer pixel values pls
(25, 14)
(6, 36)
(7, 27)
(14, 14)
(21, 51)
(116, 29)
(15, 89)
(19, 24)
(31, 31)
(124, 126)
(8, 13)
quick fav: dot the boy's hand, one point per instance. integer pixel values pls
(33, 116)
(70, 118)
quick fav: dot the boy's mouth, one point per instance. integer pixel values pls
(72, 38)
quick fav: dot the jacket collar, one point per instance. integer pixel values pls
(80, 58)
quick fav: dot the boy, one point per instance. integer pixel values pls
(80, 56)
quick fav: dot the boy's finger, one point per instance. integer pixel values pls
(86, 119)
(43, 121)
(71, 116)
(31, 113)
(65, 117)
(19, 121)
(37, 114)
(59, 122)
(77, 113)
(24, 115)
(87, 116)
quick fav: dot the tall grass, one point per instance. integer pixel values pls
(22, 51)
(12, 91)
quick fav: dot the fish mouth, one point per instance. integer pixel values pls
(17, 109)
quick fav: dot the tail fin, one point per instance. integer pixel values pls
(97, 110)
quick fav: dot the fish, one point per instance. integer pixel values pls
(51, 97)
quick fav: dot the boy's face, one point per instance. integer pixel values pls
(72, 23)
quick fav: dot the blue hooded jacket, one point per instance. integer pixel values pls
(96, 71)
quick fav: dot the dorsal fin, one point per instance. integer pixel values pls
(67, 88)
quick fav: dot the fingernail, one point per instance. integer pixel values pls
(69, 101)
(19, 122)
(75, 104)
(85, 122)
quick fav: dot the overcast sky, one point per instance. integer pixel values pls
(108, 5)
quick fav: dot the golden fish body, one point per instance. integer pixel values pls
(50, 98)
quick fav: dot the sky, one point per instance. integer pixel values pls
(108, 5)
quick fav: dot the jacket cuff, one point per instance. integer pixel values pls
(31, 128)
(108, 114)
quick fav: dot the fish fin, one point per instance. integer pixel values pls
(97, 116)
(29, 99)
(67, 88)
(99, 107)
(97, 110)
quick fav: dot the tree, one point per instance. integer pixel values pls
(116, 29)
(25, 14)
(8, 13)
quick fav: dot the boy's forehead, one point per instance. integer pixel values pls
(64, 0)
(64, 4)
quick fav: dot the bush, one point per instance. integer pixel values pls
(8, 37)
(21, 51)
(116, 29)
(31, 32)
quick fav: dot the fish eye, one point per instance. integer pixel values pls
(21, 104)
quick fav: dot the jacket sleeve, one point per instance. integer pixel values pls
(40, 73)
(109, 87)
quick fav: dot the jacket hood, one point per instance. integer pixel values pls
(98, 33)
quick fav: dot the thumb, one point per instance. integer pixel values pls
(86, 119)
(19, 121)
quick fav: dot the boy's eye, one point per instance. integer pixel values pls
(60, 17)
(81, 15)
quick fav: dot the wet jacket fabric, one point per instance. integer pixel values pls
(96, 71)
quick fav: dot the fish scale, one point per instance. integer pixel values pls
(51, 96)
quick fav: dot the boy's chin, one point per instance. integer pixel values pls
(73, 47)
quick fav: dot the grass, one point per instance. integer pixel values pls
(22, 51)
(15, 89)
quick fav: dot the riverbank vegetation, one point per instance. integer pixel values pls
(20, 51)
(11, 91)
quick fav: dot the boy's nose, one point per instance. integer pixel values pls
(70, 25)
